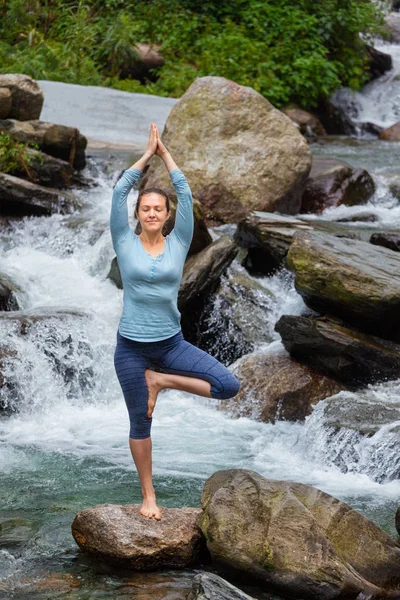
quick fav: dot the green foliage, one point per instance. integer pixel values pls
(14, 157)
(298, 51)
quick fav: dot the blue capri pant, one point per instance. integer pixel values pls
(174, 355)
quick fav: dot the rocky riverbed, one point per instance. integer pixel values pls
(244, 295)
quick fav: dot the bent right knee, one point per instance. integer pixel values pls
(228, 389)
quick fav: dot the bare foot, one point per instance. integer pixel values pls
(150, 509)
(152, 381)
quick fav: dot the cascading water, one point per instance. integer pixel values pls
(379, 101)
(66, 448)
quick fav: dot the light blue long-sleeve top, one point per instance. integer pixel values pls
(150, 309)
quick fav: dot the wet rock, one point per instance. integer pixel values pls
(121, 535)
(69, 356)
(351, 279)
(394, 188)
(363, 217)
(47, 170)
(347, 355)
(268, 238)
(277, 388)
(20, 198)
(202, 271)
(5, 102)
(8, 291)
(388, 240)
(332, 183)
(26, 96)
(391, 134)
(224, 133)
(378, 62)
(235, 318)
(115, 274)
(308, 123)
(60, 141)
(334, 118)
(296, 539)
(357, 432)
(208, 586)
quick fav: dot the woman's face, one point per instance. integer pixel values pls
(152, 212)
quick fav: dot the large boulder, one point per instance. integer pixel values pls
(398, 520)
(26, 96)
(121, 535)
(391, 134)
(209, 586)
(268, 237)
(20, 198)
(345, 354)
(333, 182)
(276, 387)
(296, 539)
(351, 279)
(240, 153)
(59, 141)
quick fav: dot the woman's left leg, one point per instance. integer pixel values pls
(192, 370)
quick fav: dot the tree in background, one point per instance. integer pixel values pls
(297, 51)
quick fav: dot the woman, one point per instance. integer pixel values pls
(149, 334)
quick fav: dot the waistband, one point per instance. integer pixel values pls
(158, 343)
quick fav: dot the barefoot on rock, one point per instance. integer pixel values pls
(150, 509)
(152, 380)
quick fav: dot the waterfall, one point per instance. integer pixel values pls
(379, 101)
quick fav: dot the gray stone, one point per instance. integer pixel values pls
(351, 279)
(208, 586)
(296, 539)
(240, 153)
(26, 96)
(121, 535)
(345, 354)
(59, 141)
(20, 198)
(332, 182)
(277, 388)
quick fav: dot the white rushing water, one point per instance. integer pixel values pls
(379, 101)
(63, 381)
(66, 447)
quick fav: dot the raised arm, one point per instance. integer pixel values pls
(184, 220)
(119, 224)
